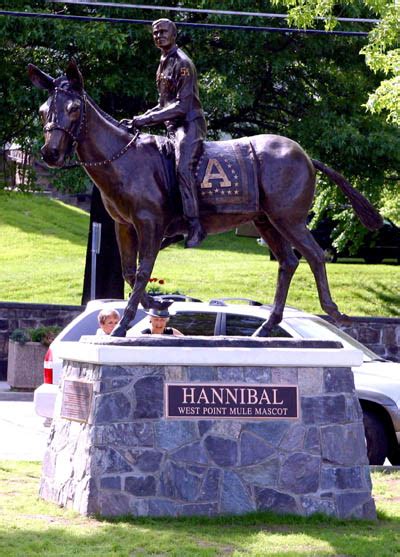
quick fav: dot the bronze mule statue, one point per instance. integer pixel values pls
(135, 184)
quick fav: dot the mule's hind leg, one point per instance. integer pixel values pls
(288, 263)
(301, 238)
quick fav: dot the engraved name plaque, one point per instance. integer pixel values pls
(232, 401)
(76, 400)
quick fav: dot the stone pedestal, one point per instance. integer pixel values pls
(125, 456)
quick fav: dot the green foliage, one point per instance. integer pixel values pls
(114, 73)
(382, 52)
(20, 335)
(387, 98)
(44, 335)
(391, 204)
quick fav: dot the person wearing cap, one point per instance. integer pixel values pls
(179, 108)
(158, 323)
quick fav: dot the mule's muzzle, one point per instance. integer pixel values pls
(52, 156)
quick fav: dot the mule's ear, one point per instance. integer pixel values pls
(74, 75)
(39, 78)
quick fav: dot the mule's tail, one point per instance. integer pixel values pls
(366, 212)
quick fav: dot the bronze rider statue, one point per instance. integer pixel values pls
(180, 109)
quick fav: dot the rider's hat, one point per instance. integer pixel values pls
(160, 308)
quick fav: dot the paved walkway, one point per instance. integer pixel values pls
(7, 394)
(23, 434)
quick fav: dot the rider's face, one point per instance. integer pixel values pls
(158, 324)
(164, 36)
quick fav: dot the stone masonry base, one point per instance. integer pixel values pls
(130, 460)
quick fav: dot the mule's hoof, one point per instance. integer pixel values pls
(261, 332)
(119, 331)
(343, 320)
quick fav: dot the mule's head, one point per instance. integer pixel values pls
(63, 114)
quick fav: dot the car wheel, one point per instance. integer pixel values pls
(330, 255)
(376, 437)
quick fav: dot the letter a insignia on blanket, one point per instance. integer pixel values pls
(215, 171)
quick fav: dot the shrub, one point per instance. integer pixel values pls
(44, 335)
(20, 336)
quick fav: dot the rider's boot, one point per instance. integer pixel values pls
(196, 233)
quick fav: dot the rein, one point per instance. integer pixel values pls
(50, 126)
(105, 161)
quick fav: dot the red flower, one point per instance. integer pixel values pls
(154, 279)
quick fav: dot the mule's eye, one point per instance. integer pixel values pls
(43, 111)
(73, 106)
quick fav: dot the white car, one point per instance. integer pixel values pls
(377, 380)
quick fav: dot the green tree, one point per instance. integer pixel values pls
(382, 52)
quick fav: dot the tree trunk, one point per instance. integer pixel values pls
(109, 281)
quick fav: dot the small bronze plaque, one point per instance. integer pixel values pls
(220, 401)
(76, 400)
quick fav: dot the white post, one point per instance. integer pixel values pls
(96, 241)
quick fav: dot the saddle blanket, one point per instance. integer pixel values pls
(226, 177)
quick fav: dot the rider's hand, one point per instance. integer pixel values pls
(140, 121)
(127, 123)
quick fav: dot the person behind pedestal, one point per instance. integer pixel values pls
(108, 320)
(158, 323)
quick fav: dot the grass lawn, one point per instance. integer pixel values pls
(30, 526)
(42, 256)
(42, 249)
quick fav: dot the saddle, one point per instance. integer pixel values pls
(226, 176)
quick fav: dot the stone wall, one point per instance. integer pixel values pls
(19, 315)
(380, 334)
(129, 458)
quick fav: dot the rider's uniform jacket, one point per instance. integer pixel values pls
(178, 101)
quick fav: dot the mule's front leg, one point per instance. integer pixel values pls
(142, 277)
(149, 245)
(127, 240)
(127, 244)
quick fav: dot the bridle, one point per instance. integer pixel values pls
(81, 128)
(55, 125)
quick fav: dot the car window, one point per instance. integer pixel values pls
(88, 325)
(194, 323)
(246, 325)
